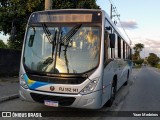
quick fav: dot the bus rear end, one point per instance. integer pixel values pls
(60, 64)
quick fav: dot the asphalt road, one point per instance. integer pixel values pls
(142, 94)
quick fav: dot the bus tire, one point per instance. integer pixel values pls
(126, 83)
(113, 93)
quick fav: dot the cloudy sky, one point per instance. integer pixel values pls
(141, 20)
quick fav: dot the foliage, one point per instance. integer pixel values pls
(137, 48)
(138, 62)
(2, 44)
(158, 66)
(69, 4)
(88, 4)
(153, 59)
(134, 56)
(145, 62)
(20, 10)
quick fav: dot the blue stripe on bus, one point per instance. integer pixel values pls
(25, 77)
(35, 84)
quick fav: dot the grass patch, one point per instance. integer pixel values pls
(137, 66)
(157, 66)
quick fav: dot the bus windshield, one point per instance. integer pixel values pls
(62, 49)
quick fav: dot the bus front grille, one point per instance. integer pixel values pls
(63, 101)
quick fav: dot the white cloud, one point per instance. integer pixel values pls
(128, 24)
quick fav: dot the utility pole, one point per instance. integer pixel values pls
(48, 4)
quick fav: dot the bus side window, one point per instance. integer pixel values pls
(126, 47)
(116, 46)
(124, 52)
(127, 51)
(119, 47)
(130, 54)
(122, 57)
(106, 46)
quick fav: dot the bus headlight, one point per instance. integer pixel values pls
(90, 87)
(23, 82)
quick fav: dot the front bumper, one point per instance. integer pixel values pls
(89, 101)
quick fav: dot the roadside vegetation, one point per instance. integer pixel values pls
(2, 44)
(152, 60)
(137, 63)
(137, 60)
(158, 66)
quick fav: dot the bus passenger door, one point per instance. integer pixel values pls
(119, 73)
(107, 72)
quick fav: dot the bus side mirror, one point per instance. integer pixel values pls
(31, 40)
(112, 40)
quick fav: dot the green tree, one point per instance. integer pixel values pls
(88, 4)
(153, 59)
(138, 48)
(71, 4)
(20, 10)
(2, 44)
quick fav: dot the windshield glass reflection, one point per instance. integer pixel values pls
(69, 49)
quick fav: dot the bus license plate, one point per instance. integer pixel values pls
(51, 103)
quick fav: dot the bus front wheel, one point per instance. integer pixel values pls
(126, 83)
(113, 93)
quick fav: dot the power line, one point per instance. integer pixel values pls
(118, 16)
(124, 31)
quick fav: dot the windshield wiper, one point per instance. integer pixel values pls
(52, 41)
(66, 39)
(57, 39)
(47, 32)
(60, 43)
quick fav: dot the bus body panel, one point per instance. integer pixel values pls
(94, 100)
(89, 101)
(110, 71)
(117, 67)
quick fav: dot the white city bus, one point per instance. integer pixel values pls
(73, 58)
